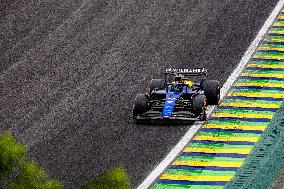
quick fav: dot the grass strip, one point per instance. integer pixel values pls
(114, 179)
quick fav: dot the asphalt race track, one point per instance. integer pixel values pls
(71, 69)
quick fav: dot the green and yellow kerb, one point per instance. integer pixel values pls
(221, 146)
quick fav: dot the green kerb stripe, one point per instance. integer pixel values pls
(267, 62)
(281, 22)
(269, 54)
(276, 29)
(256, 91)
(260, 81)
(227, 134)
(263, 71)
(232, 111)
(274, 37)
(199, 172)
(236, 123)
(209, 159)
(218, 146)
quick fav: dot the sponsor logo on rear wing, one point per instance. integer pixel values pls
(189, 71)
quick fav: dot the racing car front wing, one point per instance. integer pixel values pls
(178, 116)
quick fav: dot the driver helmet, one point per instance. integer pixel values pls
(178, 79)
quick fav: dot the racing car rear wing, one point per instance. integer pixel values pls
(186, 71)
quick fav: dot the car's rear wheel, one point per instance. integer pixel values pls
(157, 84)
(141, 104)
(199, 106)
(211, 89)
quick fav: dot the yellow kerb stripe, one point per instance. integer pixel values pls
(206, 163)
(269, 57)
(195, 178)
(260, 84)
(240, 127)
(227, 138)
(278, 24)
(216, 150)
(280, 17)
(263, 75)
(249, 104)
(256, 95)
(265, 66)
(270, 48)
(219, 114)
(273, 40)
(277, 31)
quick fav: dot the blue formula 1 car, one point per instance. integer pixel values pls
(176, 97)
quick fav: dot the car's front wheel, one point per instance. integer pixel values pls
(211, 89)
(141, 104)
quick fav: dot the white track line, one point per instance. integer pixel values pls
(196, 126)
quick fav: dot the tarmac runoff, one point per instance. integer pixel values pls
(220, 147)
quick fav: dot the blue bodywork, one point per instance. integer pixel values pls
(171, 96)
(170, 103)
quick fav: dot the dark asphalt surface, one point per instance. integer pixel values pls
(70, 69)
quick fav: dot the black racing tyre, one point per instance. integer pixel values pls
(211, 89)
(199, 104)
(157, 84)
(141, 104)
